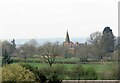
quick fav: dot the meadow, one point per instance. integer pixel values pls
(100, 68)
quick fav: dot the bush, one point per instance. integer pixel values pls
(32, 69)
(77, 72)
(53, 74)
(28, 66)
(15, 72)
(80, 73)
(84, 59)
(38, 74)
(90, 74)
(110, 75)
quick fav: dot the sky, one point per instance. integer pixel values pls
(52, 18)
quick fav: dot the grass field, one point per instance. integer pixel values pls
(100, 68)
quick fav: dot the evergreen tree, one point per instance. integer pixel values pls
(7, 50)
(6, 59)
(13, 42)
(107, 40)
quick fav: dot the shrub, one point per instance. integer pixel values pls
(110, 75)
(90, 74)
(54, 74)
(15, 72)
(77, 72)
(32, 69)
(28, 66)
(84, 59)
(59, 70)
(40, 76)
(80, 73)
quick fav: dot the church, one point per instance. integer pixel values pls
(72, 46)
(69, 43)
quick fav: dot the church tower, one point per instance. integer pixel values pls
(67, 40)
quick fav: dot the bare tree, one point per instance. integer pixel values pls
(27, 50)
(95, 41)
(95, 38)
(50, 51)
(33, 42)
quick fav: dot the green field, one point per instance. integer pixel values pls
(99, 67)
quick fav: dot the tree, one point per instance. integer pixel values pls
(33, 42)
(95, 38)
(13, 44)
(9, 47)
(28, 49)
(50, 51)
(95, 41)
(7, 51)
(84, 51)
(6, 59)
(107, 41)
(117, 43)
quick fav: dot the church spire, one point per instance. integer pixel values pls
(67, 37)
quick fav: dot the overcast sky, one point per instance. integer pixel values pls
(52, 18)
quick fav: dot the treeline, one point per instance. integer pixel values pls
(101, 46)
